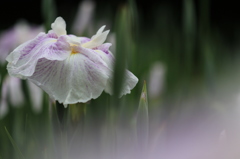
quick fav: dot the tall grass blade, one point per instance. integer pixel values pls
(48, 13)
(14, 144)
(142, 121)
(122, 49)
(189, 29)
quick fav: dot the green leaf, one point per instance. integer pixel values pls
(142, 120)
(14, 145)
(48, 13)
(189, 29)
(123, 49)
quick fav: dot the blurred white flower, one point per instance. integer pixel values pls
(83, 17)
(156, 80)
(3, 101)
(15, 36)
(36, 96)
(70, 69)
(12, 93)
(11, 89)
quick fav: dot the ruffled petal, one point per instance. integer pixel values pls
(129, 83)
(106, 55)
(130, 79)
(77, 40)
(23, 59)
(97, 39)
(79, 78)
(74, 40)
(59, 26)
(84, 40)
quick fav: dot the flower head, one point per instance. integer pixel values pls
(70, 69)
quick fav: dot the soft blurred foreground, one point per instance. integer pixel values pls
(186, 104)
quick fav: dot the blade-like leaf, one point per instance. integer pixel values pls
(14, 144)
(123, 48)
(142, 120)
(48, 12)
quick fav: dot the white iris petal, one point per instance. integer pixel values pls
(97, 39)
(59, 26)
(130, 80)
(79, 78)
(23, 60)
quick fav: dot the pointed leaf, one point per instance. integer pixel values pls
(123, 48)
(142, 119)
(14, 144)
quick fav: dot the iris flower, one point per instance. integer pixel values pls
(70, 69)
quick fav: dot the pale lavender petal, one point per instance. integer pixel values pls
(79, 78)
(23, 59)
(84, 40)
(104, 47)
(105, 54)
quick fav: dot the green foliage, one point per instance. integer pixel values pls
(14, 145)
(142, 120)
(123, 48)
(194, 56)
(48, 12)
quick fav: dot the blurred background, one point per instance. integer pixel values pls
(187, 52)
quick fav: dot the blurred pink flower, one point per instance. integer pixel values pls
(15, 36)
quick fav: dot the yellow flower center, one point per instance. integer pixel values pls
(74, 51)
